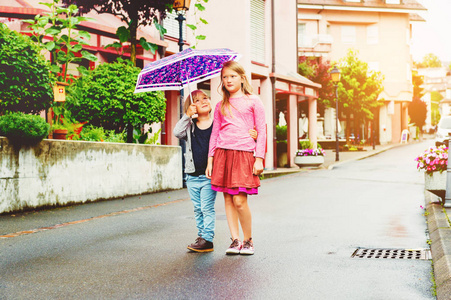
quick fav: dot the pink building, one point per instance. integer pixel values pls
(381, 31)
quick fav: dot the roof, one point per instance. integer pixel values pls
(406, 4)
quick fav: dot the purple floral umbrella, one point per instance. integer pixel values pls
(184, 68)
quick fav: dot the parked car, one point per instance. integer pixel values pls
(443, 131)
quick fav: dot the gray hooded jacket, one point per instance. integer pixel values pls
(182, 131)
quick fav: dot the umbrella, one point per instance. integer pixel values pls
(184, 68)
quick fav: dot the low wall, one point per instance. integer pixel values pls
(59, 172)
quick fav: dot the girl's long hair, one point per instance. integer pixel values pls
(246, 88)
(194, 95)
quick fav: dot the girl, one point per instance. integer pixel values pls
(197, 134)
(232, 167)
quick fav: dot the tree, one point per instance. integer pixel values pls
(318, 72)
(104, 97)
(134, 13)
(418, 112)
(417, 81)
(66, 40)
(430, 60)
(358, 90)
(25, 79)
(436, 97)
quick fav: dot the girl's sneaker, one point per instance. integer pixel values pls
(235, 247)
(248, 247)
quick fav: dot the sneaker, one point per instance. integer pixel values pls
(201, 245)
(235, 247)
(248, 247)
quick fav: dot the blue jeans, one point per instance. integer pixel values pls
(203, 197)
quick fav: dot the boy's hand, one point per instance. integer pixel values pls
(192, 110)
(209, 168)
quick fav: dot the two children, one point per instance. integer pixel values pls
(230, 143)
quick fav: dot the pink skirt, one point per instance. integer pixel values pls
(232, 172)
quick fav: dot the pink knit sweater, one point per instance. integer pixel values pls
(232, 132)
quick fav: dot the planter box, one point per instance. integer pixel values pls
(309, 161)
(435, 182)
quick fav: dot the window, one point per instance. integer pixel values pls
(302, 38)
(172, 26)
(348, 34)
(372, 34)
(393, 1)
(258, 30)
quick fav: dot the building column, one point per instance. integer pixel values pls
(292, 132)
(312, 122)
(266, 97)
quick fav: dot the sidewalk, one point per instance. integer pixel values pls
(329, 160)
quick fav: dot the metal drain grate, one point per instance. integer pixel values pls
(392, 253)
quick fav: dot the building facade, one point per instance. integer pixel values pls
(380, 30)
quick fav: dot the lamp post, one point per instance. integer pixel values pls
(335, 74)
(180, 6)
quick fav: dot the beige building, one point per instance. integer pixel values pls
(380, 30)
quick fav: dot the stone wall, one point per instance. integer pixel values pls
(59, 172)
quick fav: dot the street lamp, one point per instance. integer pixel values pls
(335, 74)
(180, 6)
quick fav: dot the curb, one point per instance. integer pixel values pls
(440, 236)
(374, 152)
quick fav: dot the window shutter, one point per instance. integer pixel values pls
(258, 30)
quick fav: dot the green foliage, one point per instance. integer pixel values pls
(430, 60)
(281, 133)
(359, 88)
(105, 98)
(306, 144)
(66, 39)
(436, 97)
(134, 13)
(152, 140)
(318, 72)
(92, 134)
(25, 82)
(198, 7)
(23, 129)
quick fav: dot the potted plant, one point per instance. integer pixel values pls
(434, 162)
(309, 157)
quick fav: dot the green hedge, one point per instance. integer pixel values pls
(23, 129)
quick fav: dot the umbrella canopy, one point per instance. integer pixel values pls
(187, 67)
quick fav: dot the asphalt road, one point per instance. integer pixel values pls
(306, 227)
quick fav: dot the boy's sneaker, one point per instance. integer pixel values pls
(235, 247)
(201, 245)
(248, 247)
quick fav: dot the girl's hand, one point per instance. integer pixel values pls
(258, 166)
(192, 110)
(209, 168)
(253, 133)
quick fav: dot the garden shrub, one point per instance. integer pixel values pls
(25, 79)
(23, 129)
(105, 98)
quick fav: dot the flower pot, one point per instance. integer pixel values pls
(435, 182)
(309, 161)
(59, 134)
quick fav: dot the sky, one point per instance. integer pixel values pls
(434, 35)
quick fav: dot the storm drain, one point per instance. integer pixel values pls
(392, 253)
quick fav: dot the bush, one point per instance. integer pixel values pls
(23, 129)
(308, 145)
(281, 133)
(105, 98)
(25, 79)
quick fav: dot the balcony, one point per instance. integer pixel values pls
(320, 43)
